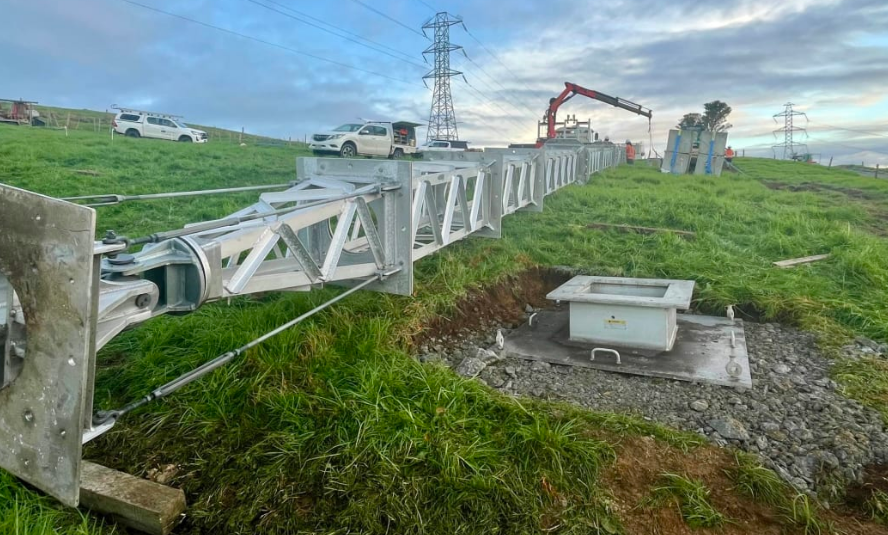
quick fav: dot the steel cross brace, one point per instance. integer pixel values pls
(63, 295)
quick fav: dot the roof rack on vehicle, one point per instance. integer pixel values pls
(143, 112)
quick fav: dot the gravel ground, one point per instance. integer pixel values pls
(794, 417)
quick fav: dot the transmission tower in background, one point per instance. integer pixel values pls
(788, 130)
(442, 118)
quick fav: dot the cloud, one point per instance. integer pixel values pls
(828, 56)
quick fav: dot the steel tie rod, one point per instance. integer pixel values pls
(106, 417)
(111, 199)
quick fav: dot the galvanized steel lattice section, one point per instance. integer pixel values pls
(442, 118)
(345, 222)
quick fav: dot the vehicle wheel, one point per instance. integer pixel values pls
(348, 150)
(185, 139)
(132, 132)
(398, 154)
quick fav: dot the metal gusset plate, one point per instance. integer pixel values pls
(46, 254)
(392, 214)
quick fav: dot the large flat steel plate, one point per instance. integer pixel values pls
(46, 251)
(701, 351)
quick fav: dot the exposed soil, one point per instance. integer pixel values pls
(640, 463)
(814, 186)
(642, 460)
(875, 479)
(501, 303)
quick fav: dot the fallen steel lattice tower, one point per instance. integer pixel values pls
(358, 223)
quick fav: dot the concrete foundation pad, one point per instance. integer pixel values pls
(144, 505)
(701, 352)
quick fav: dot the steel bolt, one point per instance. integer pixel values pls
(143, 300)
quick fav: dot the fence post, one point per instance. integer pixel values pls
(877, 170)
(241, 138)
(830, 162)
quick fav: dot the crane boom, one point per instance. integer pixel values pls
(571, 89)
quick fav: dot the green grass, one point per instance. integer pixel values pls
(804, 513)
(765, 486)
(692, 498)
(759, 483)
(24, 512)
(878, 507)
(331, 427)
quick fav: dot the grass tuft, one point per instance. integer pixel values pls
(692, 498)
(25, 512)
(758, 482)
(878, 507)
(804, 513)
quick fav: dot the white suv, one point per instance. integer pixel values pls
(135, 123)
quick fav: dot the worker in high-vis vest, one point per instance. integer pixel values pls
(729, 154)
(630, 153)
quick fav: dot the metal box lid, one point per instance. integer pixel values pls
(659, 293)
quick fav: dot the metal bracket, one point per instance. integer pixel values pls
(46, 253)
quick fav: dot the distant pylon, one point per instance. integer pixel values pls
(789, 145)
(442, 118)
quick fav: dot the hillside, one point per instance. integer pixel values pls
(100, 122)
(335, 427)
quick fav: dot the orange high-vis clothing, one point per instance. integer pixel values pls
(630, 152)
(729, 153)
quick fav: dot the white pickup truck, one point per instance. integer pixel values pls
(374, 138)
(445, 145)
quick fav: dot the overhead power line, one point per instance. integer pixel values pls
(378, 47)
(269, 43)
(506, 114)
(515, 111)
(851, 129)
(863, 149)
(470, 34)
(497, 82)
(428, 6)
(392, 19)
(508, 98)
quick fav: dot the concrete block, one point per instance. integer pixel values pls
(134, 502)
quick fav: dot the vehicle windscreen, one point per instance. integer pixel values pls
(348, 128)
(181, 124)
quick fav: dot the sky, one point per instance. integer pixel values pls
(288, 68)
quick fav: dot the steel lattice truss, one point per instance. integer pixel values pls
(64, 296)
(442, 118)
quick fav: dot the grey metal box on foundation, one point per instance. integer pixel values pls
(638, 313)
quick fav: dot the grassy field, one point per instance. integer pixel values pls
(333, 428)
(90, 121)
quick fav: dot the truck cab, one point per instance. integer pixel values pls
(374, 138)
